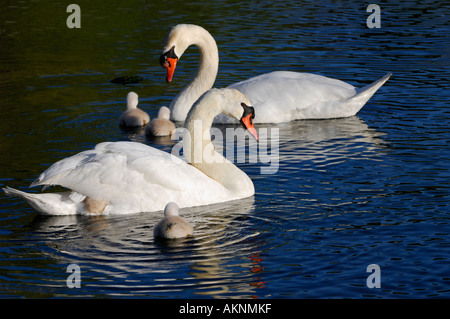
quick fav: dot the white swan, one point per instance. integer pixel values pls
(161, 126)
(277, 97)
(133, 116)
(130, 177)
(172, 226)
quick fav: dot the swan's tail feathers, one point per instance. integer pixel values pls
(370, 89)
(365, 93)
(32, 199)
(48, 203)
(16, 193)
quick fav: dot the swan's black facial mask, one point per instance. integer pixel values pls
(169, 61)
(248, 110)
(247, 119)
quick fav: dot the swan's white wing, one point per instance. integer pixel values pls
(135, 177)
(284, 96)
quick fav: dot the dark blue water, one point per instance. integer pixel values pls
(348, 193)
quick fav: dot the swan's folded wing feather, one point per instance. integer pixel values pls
(282, 96)
(114, 170)
(294, 84)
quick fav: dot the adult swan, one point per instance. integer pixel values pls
(129, 177)
(277, 96)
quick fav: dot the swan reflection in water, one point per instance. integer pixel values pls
(328, 142)
(304, 144)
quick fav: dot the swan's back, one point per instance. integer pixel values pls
(133, 177)
(134, 118)
(282, 96)
(172, 226)
(161, 126)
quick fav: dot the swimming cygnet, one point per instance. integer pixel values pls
(133, 116)
(161, 126)
(172, 226)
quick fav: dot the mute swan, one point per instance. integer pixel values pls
(161, 126)
(172, 225)
(279, 96)
(130, 177)
(133, 116)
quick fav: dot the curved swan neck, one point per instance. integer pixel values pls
(206, 74)
(198, 124)
(199, 150)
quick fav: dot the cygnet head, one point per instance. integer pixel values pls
(171, 209)
(132, 100)
(164, 113)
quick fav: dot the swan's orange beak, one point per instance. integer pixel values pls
(247, 122)
(169, 60)
(170, 65)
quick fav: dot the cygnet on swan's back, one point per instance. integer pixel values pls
(172, 225)
(133, 116)
(161, 126)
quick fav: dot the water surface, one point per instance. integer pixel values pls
(369, 189)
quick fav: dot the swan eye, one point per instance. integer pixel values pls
(163, 59)
(248, 110)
